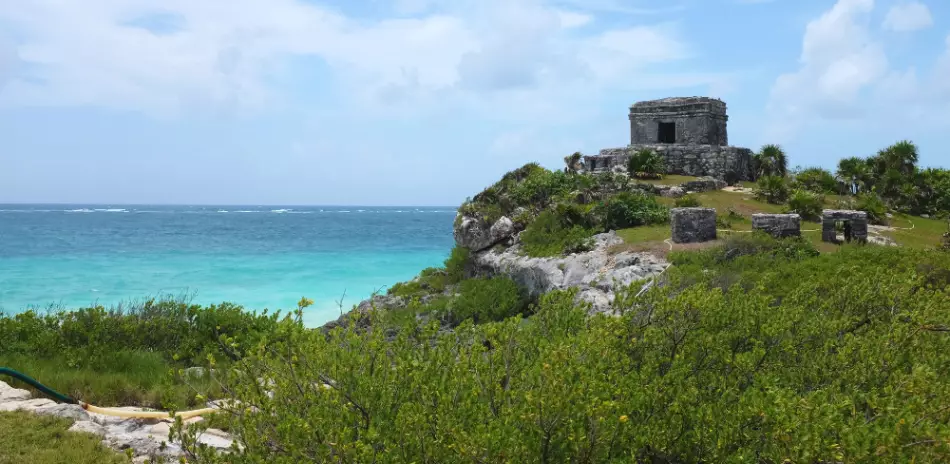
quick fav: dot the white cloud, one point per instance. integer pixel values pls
(845, 74)
(908, 16)
(227, 52)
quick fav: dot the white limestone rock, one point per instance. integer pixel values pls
(596, 274)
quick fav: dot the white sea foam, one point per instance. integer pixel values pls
(80, 210)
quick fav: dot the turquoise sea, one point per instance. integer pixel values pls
(70, 256)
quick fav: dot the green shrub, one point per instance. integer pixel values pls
(873, 205)
(458, 264)
(485, 300)
(772, 189)
(771, 161)
(646, 164)
(550, 235)
(817, 180)
(687, 201)
(736, 245)
(758, 359)
(807, 204)
(631, 209)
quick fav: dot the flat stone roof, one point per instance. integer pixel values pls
(677, 101)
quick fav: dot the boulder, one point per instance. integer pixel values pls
(673, 192)
(596, 273)
(26, 405)
(8, 393)
(476, 234)
(88, 426)
(67, 411)
(704, 184)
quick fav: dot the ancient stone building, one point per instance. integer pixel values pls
(854, 225)
(688, 132)
(691, 225)
(778, 225)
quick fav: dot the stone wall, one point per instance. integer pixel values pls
(721, 162)
(778, 225)
(698, 120)
(690, 225)
(856, 225)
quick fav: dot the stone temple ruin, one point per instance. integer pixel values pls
(692, 225)
(688, 132)
(778, 225)
(855, 224)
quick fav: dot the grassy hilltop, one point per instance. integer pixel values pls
(751, 349)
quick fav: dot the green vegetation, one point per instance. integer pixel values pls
(687, 201)
(560, 211)
(817, 180)
(772, 189)
(771, 161)
(552, 235)
(44, 440)
(757, 351)
(628, 209)
(645, 164)
(124, 356)
(807, 204)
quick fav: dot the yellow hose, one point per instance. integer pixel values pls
(146, 414)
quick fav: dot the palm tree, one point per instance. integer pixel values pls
(772, 161)
(893, 167)
(573, 163)
(855, 173)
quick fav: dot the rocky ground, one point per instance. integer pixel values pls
(597, 274)
(145, 437)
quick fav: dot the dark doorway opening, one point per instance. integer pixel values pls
(666, 132)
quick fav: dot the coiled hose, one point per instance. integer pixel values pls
(57, 396)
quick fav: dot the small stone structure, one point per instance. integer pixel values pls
(855, 225)
(778, 225)
(689, 133)
(692, 225)
(685, 120)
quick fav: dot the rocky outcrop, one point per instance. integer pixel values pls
(145, 437)
(597, 274)
(476, 234)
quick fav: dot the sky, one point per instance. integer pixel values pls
(425, 102)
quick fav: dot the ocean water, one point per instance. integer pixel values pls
(259, 257)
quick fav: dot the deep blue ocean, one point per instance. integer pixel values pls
(257, 256)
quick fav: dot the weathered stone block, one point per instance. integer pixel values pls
(706, 184)
(778, 225)
(855, 225)
(690, 225)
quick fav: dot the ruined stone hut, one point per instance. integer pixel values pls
(688, 132)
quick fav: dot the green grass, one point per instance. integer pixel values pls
(27, 438)
(124, 379)
(926, 233)
(654, 233)
(670, 179)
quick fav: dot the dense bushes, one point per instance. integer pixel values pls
(486, 300)
(772, 189)
(759, 359)
(873, 205)
(645, 164)
(807, 204)
(816, 180)
(551, 234)
(630, 209)
(687, 201)
(124, 356)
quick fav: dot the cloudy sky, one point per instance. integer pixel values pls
(424, 102)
